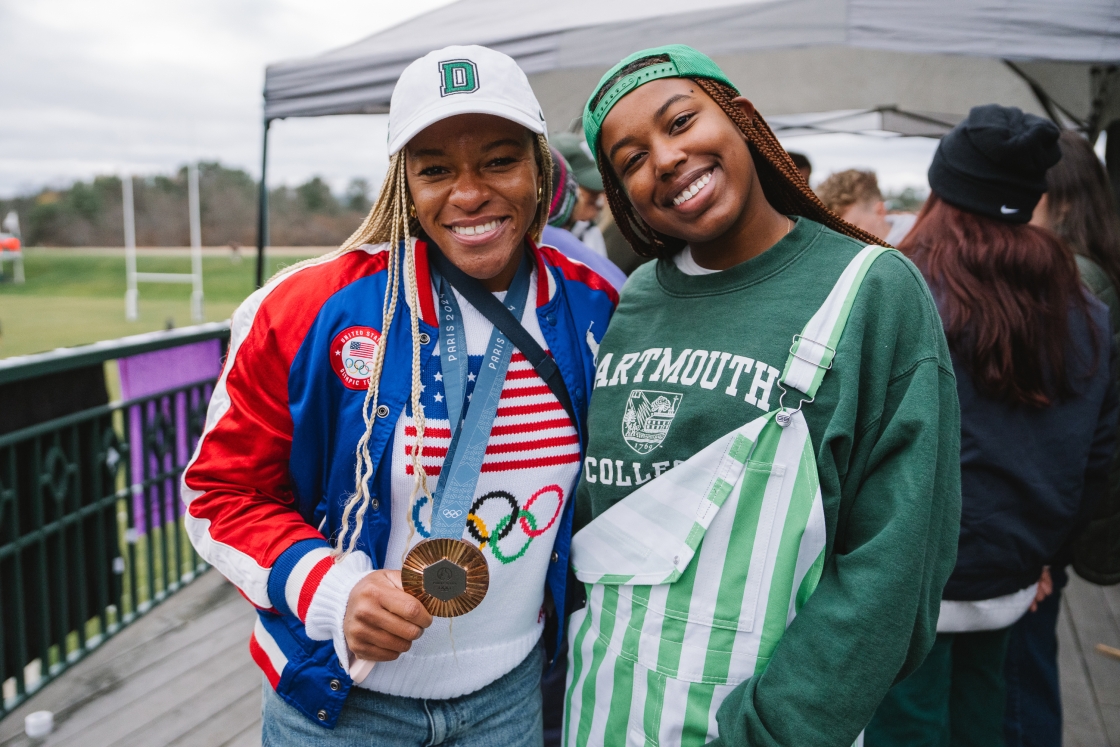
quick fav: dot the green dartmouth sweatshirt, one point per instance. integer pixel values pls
(886, 429)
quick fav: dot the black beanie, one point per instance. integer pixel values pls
(994, 162)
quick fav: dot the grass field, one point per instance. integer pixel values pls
(73, 297)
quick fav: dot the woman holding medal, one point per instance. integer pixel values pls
(389, 457)
(771, 493)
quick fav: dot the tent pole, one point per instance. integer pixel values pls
(1043, 98)
(262, 207)
(1112, 159)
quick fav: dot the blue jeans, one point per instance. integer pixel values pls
(505, 713)
(1034, 700)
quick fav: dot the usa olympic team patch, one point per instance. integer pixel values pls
(352, 356)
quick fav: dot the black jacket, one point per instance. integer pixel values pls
(1030, 478)
(1096, 551)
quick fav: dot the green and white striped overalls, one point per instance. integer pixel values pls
(693, 578)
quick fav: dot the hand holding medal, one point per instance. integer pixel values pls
(381, 622)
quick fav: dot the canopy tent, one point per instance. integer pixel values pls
(908, 66)
(879, 119)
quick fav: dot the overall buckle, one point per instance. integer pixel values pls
(785, 416)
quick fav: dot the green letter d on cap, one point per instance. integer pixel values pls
(459, 76)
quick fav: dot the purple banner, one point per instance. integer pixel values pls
(165, 421)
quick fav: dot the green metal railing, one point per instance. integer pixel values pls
(91, 525)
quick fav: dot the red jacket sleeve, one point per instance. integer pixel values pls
(240, 509)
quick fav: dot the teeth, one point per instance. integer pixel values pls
(690, 191)
(475, 230)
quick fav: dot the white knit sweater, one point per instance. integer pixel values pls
(530, 466)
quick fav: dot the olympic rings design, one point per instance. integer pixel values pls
(358, 366)
(517, 516)
(502, 524)
(477, 527)
(526, 516)
(419, 525)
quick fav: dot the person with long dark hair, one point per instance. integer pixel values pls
(1031, 350)
(1078, 207)
(770, 495)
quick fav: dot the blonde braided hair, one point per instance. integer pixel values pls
(782, 183)
(389, 221)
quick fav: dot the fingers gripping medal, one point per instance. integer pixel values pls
(446, 573)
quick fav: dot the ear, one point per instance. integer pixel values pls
(745, 106)
(881, 208)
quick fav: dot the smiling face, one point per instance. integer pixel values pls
(683, 163)
(474, 180)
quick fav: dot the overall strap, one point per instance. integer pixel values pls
(812, 351)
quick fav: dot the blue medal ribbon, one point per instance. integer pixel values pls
(470, 434)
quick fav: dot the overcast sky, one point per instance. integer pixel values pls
(111, 86)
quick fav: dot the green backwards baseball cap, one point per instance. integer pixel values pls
(669, 61)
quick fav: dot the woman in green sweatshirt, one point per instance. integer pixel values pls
(770, 502)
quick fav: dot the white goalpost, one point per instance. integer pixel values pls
(194, 277)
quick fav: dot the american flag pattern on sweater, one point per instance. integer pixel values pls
(530, 430)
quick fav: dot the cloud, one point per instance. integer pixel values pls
(127, 85)
(144, 87)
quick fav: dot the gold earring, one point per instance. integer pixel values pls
(411, 210)
(540, 192)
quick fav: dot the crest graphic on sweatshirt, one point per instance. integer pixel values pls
(459, 76)
(648, 417)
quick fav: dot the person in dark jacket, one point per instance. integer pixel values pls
(1032, 353)
(1078, 207)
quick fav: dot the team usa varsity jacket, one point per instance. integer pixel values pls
(275, 464)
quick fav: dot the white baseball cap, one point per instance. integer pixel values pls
(460, 80)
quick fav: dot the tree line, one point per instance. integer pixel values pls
(90, 213)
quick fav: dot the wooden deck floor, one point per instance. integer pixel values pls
(182, 677)
(1090, 680)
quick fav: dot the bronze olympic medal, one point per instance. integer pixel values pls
(448, 576)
